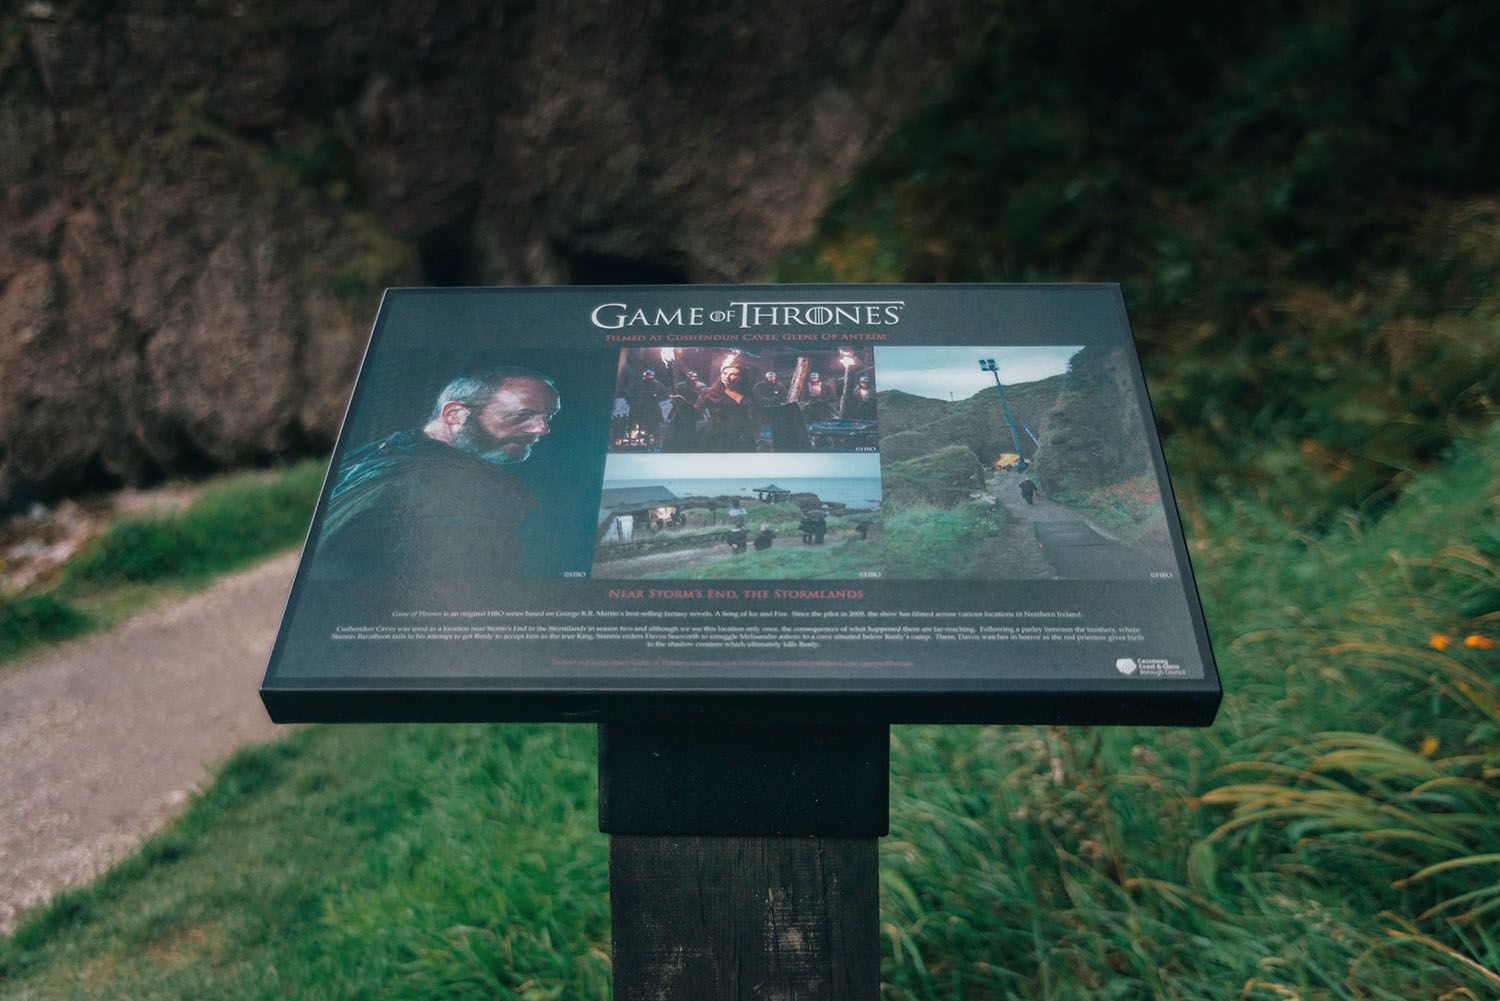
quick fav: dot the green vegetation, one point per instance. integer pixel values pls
(239, 520)
(910, 425)
(935, 452)
(28, 620)
(776, 515)
(1089, 442)
(141, 558)
(842, 557)
(1130, 509)
(946, 478)
(1245, 861)
(783, 519)
(924, 542)
(1301, 206)
(353, 862)
(1298, 201)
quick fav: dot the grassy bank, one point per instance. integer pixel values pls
(842, 557)
(923, 542)
(1130, 509)
(354, 862)
(140, 559)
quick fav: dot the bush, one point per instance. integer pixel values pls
(923, 542)
(943, 479)
(246, 518)
(27, 621)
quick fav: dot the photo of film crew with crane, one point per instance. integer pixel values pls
(766, 399)
(742, 464)
(1017, 463)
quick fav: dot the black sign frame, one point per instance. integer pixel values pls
(1125, 646)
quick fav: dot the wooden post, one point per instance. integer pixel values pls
(705, 918)
(743, 860)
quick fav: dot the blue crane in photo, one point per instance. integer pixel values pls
(988, 364)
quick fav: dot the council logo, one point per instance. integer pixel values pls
(1125, 665)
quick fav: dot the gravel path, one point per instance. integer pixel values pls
(1016, 554)
(104, 739)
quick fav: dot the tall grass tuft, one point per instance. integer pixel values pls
(28, 620)
(243, 518)
(923, 542)
(1407, 812)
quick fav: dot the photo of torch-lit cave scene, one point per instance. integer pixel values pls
(740, 517)
(751, 399)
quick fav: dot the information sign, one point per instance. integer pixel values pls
(768, 504)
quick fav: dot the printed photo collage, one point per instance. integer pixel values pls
(742, 463)
(909, 463)
(753, 461)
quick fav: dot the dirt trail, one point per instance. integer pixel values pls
(1045, 540)
(103, 739)
(1014, 553)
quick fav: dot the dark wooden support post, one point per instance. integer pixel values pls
(743, 860)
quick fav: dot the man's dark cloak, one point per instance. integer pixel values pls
(414, 509)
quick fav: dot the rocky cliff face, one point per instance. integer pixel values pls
(198, 209)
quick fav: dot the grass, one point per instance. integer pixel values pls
(1400, 798)
(784, 520)
(702, 523)
(945, 478)
(235, 521)
(30, 620)
(1262, 858)
(923, 542)
(429, 861)
(1131, 509)
(842, 557)
(140, 559)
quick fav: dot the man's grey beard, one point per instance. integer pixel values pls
(481, 444)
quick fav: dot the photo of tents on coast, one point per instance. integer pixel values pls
(739, 517)
(1017, 463)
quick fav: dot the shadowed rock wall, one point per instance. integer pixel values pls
(198, 209)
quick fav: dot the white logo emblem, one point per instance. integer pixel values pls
(1125, 665)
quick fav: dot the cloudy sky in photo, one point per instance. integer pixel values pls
(934, 372)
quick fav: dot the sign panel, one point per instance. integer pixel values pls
(758, 503)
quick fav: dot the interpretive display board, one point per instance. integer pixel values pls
(769, 504)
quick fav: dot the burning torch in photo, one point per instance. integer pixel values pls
(848, 360)
(667, 355)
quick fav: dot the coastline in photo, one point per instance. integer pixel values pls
(740, 517)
